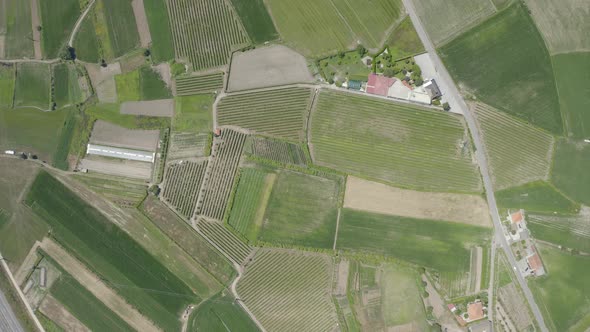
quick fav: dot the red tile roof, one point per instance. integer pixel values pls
(475, 311)
(379, 84)
(516, 217)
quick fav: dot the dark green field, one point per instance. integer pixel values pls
(566, 231)
(256, 20)
(58, 18)
(121, 25)
(504, 62)
(86, 42)
(110, 252)
(570, 170)
(536, 196)
(7, 74)
(60, 156)
(157, 15)
(220, 313)
(430, 243)
(151, 85)
(404, 40)
(67, 89)
(33, 84)
(572, 71)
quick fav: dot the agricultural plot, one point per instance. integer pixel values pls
(193, 114)
(67, 90)
(95, 241)
(405, 145)
(302, 210)
(86, 42)
(570, 71)
(219, 313)
(7, 78)
(140, 170)
(256, 20)
(111, 113)
(183, 182)
(16, 29)
(236, 250)
(162, 47)
(562, 24)
(205, 32)
(105, 133)
(514, 82)
(518, 152)
(538, 196)
(188, 145)
(124, 192)
(570, 170)
(33, 85)
(121, 26)
(190, 85)
(58, 18)
(280, 112)
(404, 40)
(141, 84)
(287, 290)
(570, 231)
(189, 240)
(563, 294)
(250, 201)
(225, 159)
(155, 108)
(275, 150)
(446, 20)
(435, 244)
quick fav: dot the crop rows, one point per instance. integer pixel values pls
(279, 112)
(578, 225)
(225, 158)
(279, 151)
(183, 182)
(290, 291)
(518, 152)
(247, 200)
(187, 145)
(205, 31)
(398, 143)
(190, 85)
(229, 243)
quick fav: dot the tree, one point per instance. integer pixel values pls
(147, 52)
(425, 294)
(68, 53)
(361, 50)
(341, 54)
(23, 156)
(388, 72)
(39, 28)
(154, 190)
(418, 81)
(446, 107)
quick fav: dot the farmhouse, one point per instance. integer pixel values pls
(475, 311)
(432, 89)
(379, 84)
(534, 263)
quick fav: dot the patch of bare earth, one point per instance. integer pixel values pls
(408, 327)
(376, 197)
(105, 133)
(55, 311)
(93, 284)
(36, 22)
(103, 81)
(132, 61)
(2, 48)
(145, 37)
(439, 309)
(342, 278)
(159, 108)
(514, 306)
(127, 168)
(164, 70)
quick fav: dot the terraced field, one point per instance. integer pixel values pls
(205, 31)
(229, 243)
(216, 190)
(279, 112)
(190, 85)
(290, 291)
(183, 181)
(518, 152)
(405, 145)
(275, 150)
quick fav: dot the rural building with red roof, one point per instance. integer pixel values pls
(379, 84)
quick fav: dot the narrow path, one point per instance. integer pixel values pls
(35, 22)
(79, 22)
(337, 226)
(456, 98)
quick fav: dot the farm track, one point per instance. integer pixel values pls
(79, 23)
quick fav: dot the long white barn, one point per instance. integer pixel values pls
(109, 151)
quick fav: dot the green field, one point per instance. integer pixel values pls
(538, 196)
(570, 231)
(405, 145)
(256, 20)
(338, 69)
(220, 313)
(572, 70)
(67, 89)
(162, 45)
(151, 85)
(125, 192)
(17, 26)
(60, 156)
(436, 244)
(563, 294)
(517, 152)
(7, 77)
(128, 86)
(193, 114)
(89, 310)
(276, 151)
(504, 62)
(182, 186)
(110, 252)
(58, 18)
(110, 113)
(122, 28)
(289, 290)
(33, 85)
(86, 42)
(404, 40)
(279, 112)
(190, 85)
(570, 170)
(302, 210)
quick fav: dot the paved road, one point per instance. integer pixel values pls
(455, 98)
(8, 321)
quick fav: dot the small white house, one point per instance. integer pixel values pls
(11, 152)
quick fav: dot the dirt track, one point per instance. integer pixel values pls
(376, 197)
(36, 21)
(141, 21)
(55, 311)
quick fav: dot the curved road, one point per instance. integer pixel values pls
(454, 98)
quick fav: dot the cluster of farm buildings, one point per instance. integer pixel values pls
(519, 236)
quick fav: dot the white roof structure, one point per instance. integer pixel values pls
(109, 151)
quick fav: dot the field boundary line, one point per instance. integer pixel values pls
(337, 226)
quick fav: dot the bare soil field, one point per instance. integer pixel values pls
(342, 278)
(2, 47)
(36, 21)
(105, 133)
(103, 81)
(132, 61)
(515, 306)
(120, 167)
(164, 70)
(160, 108)
(376, 197)
(145, 38)
(564, 24)
(55, 311)
(268, 66)
(95, 285)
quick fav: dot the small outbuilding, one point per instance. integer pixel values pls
(354, 84)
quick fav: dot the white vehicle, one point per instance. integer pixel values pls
(587, 140)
